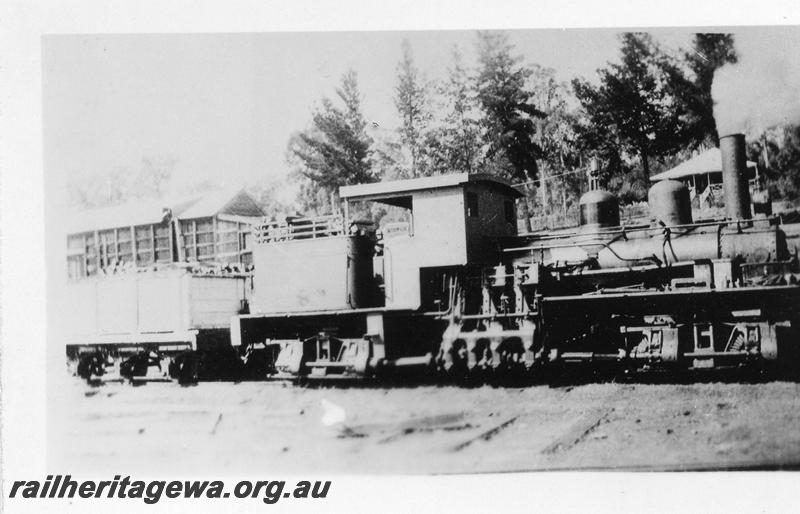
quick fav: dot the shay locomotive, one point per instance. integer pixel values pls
(455, 290)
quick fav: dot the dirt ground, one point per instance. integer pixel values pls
(266, 426)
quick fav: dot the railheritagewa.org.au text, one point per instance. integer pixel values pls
(152, 491)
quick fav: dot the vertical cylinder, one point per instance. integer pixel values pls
(734, 176)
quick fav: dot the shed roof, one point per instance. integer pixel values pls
(238, 203)
(379, 190)
(709, 161)
(140, 213)
(147, 212)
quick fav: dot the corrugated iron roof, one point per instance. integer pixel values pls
(709, 161)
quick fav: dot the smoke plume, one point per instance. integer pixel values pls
(762, 89)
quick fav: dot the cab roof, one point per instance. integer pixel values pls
(380, 191)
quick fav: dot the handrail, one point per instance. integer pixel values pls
(301, 228)
(622, 229)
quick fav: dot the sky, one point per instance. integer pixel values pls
(223, 106)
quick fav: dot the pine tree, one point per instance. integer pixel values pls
(335, 151)
(508, 108)
(411, 101)
(555, 135)
(509, 113)
(459, 134)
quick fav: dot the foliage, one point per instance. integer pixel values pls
(559, 184)
(646, 113)
(508, 110)
(267, 194)
(709, 51)
(454, 146)
(411, 101)
(122, 185)
(335, 151)
(387, 158)
(635, 110)
(783, 169)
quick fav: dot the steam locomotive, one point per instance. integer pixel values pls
(455, 290)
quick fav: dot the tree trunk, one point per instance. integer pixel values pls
(543, 185)
(645, 163)
(563, 186)
(467, 151)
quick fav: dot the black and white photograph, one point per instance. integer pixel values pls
(304, 255)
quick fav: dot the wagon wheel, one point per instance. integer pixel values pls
(184, 368)
(91, 365)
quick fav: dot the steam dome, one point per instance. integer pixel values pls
(599, 209)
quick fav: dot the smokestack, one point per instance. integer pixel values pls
(734, 176)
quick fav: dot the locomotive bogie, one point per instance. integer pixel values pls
(344, 344)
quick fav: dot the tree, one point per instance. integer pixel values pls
(268, 194)
(708, 52)
(387, 159)
(507, 107)
(335, 151)
(411, 101)
(454, 146)
(782, 167)
(509, 113)
(635, 109)
(122, 185)
(556, 137)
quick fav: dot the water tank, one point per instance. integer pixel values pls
(599, 209)
(669, 203)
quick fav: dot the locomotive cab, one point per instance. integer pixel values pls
(453, 220)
